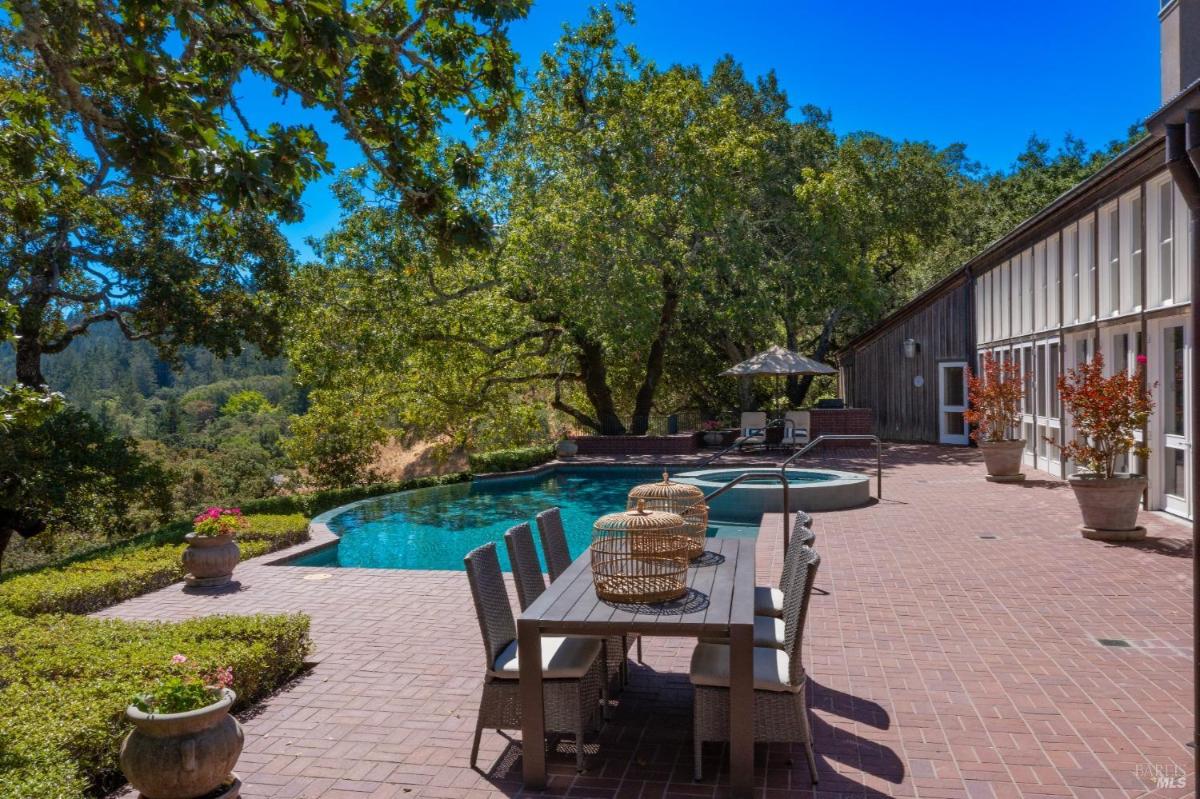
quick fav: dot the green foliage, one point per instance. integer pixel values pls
(100, 579)
(511, 460)
(318, 502)
(247, 402)
(336, 441)
(67, 472)
(138, 192)
(65, 682)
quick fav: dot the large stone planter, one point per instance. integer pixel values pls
(183, 755)
(566, 448)
(1003, 460)
(210, 560)
(1109, 505)
(714, 438)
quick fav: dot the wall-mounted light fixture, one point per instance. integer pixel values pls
(910, 348)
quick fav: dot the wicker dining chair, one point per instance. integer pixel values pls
(572, 668)
(768, 600)
(554, 542)
(558, 558)
(526, 569)
(780, 706)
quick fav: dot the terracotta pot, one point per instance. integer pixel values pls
(1002, 458)
(210, 560)
(182, 755)
(566, 448)
(1109, 505)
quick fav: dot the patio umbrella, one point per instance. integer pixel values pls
(779, 362)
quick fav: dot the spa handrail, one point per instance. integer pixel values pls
(843, 437)
(748, 475)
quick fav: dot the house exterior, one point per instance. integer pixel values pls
(1106, 267)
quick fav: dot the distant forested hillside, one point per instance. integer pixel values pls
(216, 426)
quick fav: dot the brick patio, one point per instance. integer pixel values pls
(942, 663)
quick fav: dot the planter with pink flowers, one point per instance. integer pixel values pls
(212, 553)
(184, 743)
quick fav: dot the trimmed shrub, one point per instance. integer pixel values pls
(65, 682)
(90, 583)
(511, 460)
(320, 501)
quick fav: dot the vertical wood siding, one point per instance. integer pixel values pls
(881, 378)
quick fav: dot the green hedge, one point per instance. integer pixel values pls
(66, 680)
(89, 583)
(320, 501)
(511, 460)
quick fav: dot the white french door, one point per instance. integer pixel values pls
(1170, 458)
(952, 398)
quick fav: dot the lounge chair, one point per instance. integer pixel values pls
(796, 434)
(754, 426)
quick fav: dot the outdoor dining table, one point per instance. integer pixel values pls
(719, 604)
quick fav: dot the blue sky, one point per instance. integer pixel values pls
(986, 74)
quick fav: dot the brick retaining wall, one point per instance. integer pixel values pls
(841, 421)
(681, 444)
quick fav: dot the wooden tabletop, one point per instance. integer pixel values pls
(720, 594)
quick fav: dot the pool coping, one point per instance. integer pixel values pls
(322, 536)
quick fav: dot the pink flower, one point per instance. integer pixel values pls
(1141, 359)
(223, 677)
(179, 659)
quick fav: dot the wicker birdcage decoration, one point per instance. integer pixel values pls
(639, 555)
(681, 498)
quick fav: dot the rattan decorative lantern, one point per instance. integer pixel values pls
(639, 555)
(681, 498)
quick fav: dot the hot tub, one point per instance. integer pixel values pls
(808, 489)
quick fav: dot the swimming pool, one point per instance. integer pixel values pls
(433, 528)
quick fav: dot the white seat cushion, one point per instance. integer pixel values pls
(768, 601)
(710, 666)
(769, 632)
(562, 658)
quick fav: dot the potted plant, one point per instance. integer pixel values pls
(212, 554)
(566, 448)
(714, 434)
(184, 743)
(995, 408)
(1106, 412)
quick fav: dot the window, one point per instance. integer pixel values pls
(1087, 268)
(1132, 262)
(1041, 380)
(1162, 200)
(1027, 293)
(1173, 387)
(1071, 274)
(1110, 255)
(1040, 289)
(1180, 246)
(997, 304)
(1053, 281)
(1052, 383)
(1005, 304)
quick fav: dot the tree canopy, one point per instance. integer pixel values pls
(652, 224)
(137, 190)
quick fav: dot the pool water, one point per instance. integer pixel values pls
(433, 528)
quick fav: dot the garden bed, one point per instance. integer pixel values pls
(65, 682)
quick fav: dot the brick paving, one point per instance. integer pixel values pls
(942, 664)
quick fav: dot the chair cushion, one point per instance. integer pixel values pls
(710, 666)
(562, 658)
(768, 601)
(769, 632)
